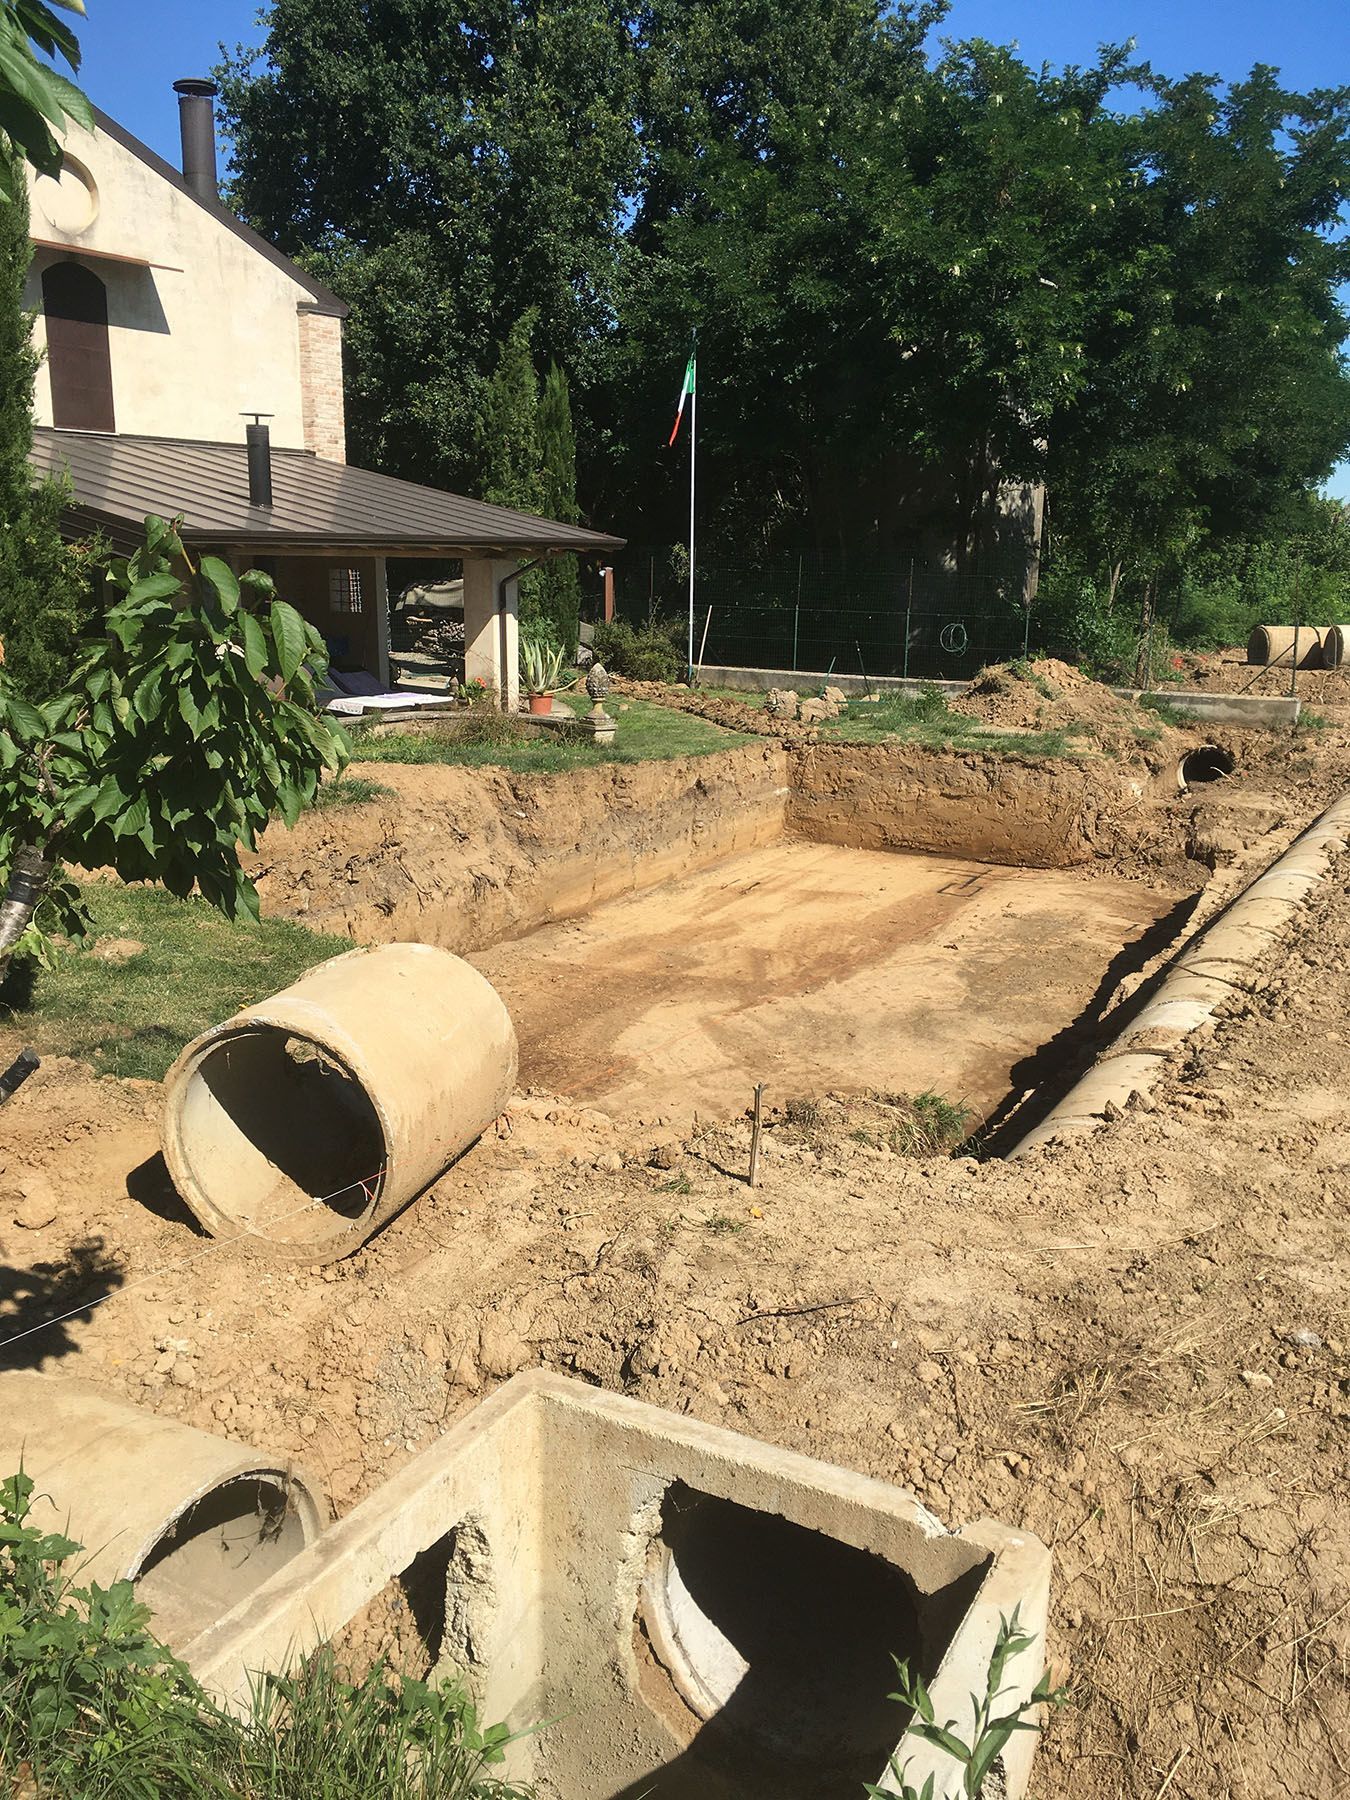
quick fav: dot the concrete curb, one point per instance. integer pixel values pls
(1208, 969)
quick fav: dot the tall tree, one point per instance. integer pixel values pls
(558, 585)
(1214, 393)
(444, 168)
(509, 454)
(44, 587)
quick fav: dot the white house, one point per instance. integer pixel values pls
(189, 367)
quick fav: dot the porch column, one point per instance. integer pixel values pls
(382, 621)
(492, 629)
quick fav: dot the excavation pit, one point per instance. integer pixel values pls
(664, 1607)
(817, 967)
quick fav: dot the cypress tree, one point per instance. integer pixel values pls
(44, 593)
(559, 595)
(509, 436)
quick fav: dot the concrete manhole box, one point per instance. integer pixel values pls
(680, 1611)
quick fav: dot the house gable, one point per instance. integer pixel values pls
(205, 320)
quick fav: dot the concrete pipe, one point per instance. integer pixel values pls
(1207, 762)
(1335, 646)
(307, 1121)
(1275, 644)
(195, 1521)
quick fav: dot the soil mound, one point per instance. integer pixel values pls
(1049, 695)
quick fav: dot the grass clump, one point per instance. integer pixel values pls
(155, 972)
(93, 1707)
(348, 790)
(926, 1124)
(1165, 712)
(646, 733)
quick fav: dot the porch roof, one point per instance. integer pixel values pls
(317, 506)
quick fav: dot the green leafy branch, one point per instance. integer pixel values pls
(991, 1730)
(35, 101)
(187, 726)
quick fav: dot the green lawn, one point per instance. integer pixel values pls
(131, 1017)
(646, 734)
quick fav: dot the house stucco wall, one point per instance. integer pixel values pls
(208, 332)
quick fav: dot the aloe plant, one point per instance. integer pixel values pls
(541, 667)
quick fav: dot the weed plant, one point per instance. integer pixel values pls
(92, 1707)
(991, 1730)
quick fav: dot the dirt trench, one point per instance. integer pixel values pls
(464, 858)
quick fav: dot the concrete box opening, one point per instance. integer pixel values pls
(660, 1606)
(270, 1124)
(772, 1649)
(217, 1552)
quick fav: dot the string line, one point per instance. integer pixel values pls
(364, 1183)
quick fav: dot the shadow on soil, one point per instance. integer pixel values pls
(38, 1306)
(1040, 1081)
(150, 1186)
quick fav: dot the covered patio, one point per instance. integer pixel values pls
(324, 531)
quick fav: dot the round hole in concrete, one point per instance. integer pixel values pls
(222, 1547)
(780, 1639)
(1207, 763)
(269, 1122)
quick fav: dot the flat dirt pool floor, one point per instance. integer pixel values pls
(812, 968)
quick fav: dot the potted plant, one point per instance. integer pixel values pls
(541, 673)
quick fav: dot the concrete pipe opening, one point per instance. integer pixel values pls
(284, 1134)
(196, 1522)
(779, 1640)
(1207, 763)
(308, 1120)
(218, 1550)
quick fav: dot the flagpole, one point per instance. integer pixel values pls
(693, 457)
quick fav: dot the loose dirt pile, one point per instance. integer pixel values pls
(1229, 672)
(1053, 696)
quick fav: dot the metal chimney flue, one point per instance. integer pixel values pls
(259, 438)
(197, 122)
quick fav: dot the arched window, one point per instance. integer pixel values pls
(75, 303)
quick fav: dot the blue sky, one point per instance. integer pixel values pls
(134, 50)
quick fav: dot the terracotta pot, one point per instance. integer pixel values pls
(541, 703)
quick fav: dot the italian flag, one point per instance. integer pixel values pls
(685, 392)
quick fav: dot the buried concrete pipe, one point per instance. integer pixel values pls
(1207, 762)
(1204, 974)
(307, 1121)
(198, 1523)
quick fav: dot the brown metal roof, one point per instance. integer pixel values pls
(316, 505)
(322, 300)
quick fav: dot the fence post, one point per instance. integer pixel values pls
(796, 612)
(1298, 619)
(909, 607)
(1026, 633)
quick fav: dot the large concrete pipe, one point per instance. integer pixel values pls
(305, 1122)
(1335, 646)
(1223, 959)
(195, 1521)
(1275, 644)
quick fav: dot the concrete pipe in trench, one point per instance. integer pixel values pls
(195, 1521)
(307, 1121)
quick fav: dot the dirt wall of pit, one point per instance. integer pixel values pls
(462, 858)
(997, 809)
